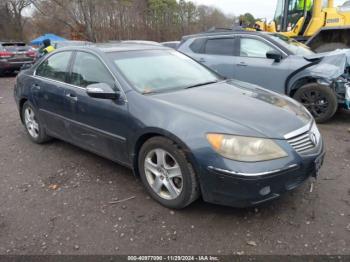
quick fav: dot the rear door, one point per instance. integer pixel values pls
(99, 125)
(218, 54)
(48, 89)
(254, 67)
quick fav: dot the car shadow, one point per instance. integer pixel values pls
(341, 117)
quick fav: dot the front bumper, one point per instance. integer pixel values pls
(229, 188)
(347, 96)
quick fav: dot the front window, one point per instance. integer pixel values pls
(88, 69)
(251, 47)
(157, 71)
(293, 46)
(55, 67)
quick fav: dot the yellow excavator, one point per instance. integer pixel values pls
(318, 23)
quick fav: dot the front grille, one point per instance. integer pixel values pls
(302, 143)
(305, 141)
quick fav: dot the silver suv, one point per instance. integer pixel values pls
(275, 62)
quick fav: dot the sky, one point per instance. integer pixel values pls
(259, 8)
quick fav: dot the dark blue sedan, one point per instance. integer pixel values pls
(179, 126)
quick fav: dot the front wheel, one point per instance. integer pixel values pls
(321, 101)
(166, 173)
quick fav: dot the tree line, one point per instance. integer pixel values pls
(104, 20)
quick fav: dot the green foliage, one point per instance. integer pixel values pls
(248, 19)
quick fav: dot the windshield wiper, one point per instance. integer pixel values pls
(202, 84)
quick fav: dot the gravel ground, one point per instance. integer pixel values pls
(58, 199)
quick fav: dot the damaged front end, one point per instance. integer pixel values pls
(333, 70)
(342, 88)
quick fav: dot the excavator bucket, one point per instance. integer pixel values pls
(329, 39)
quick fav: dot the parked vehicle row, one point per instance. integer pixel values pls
(182, 128)
(319, 81)
(270, 60)
(13, 55)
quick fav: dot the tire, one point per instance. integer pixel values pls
(158, 176)
(321, 101)
(330, 47)
(32, 124)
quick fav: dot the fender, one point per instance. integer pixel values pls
(137, 141)
(287, 82)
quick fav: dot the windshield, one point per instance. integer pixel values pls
(157, 71)
(293, 46)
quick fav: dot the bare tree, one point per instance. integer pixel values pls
(102, 20)
(12, 19)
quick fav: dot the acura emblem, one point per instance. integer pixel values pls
(313, 139)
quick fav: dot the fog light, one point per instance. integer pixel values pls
(265, 191)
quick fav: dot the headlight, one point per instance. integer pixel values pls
(245, 149)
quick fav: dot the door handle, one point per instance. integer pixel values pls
(242, 64)
(202, 60)
(36, 86)
(72, 97)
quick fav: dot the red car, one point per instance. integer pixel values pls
(13, 55)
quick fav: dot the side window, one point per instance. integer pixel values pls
(88, 69)
(55, 67)
(197, 45)
(220, 46)
(251, 47)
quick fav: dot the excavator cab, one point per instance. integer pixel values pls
(318, 23)
(293, 16)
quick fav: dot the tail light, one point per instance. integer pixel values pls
(31, 53)
(6, 54)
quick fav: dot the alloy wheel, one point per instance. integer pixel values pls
(315, 102)
(31, 123)
(163, 174)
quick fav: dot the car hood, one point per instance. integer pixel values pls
(330, 65)
(266, 113)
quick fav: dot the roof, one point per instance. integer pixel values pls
(170, 42)
(226, 32)
(52, 37)
(118, 47)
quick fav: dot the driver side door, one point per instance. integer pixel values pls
(99, 125)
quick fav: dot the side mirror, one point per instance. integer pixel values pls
(275, 55)
(102, 91)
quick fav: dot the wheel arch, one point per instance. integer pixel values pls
(20, 106)
(299, 83)
(143, 137)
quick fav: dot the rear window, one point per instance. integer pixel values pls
(220, 46)
(15, 47)
(13, 44)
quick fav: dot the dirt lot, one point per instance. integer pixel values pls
(56, 199)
